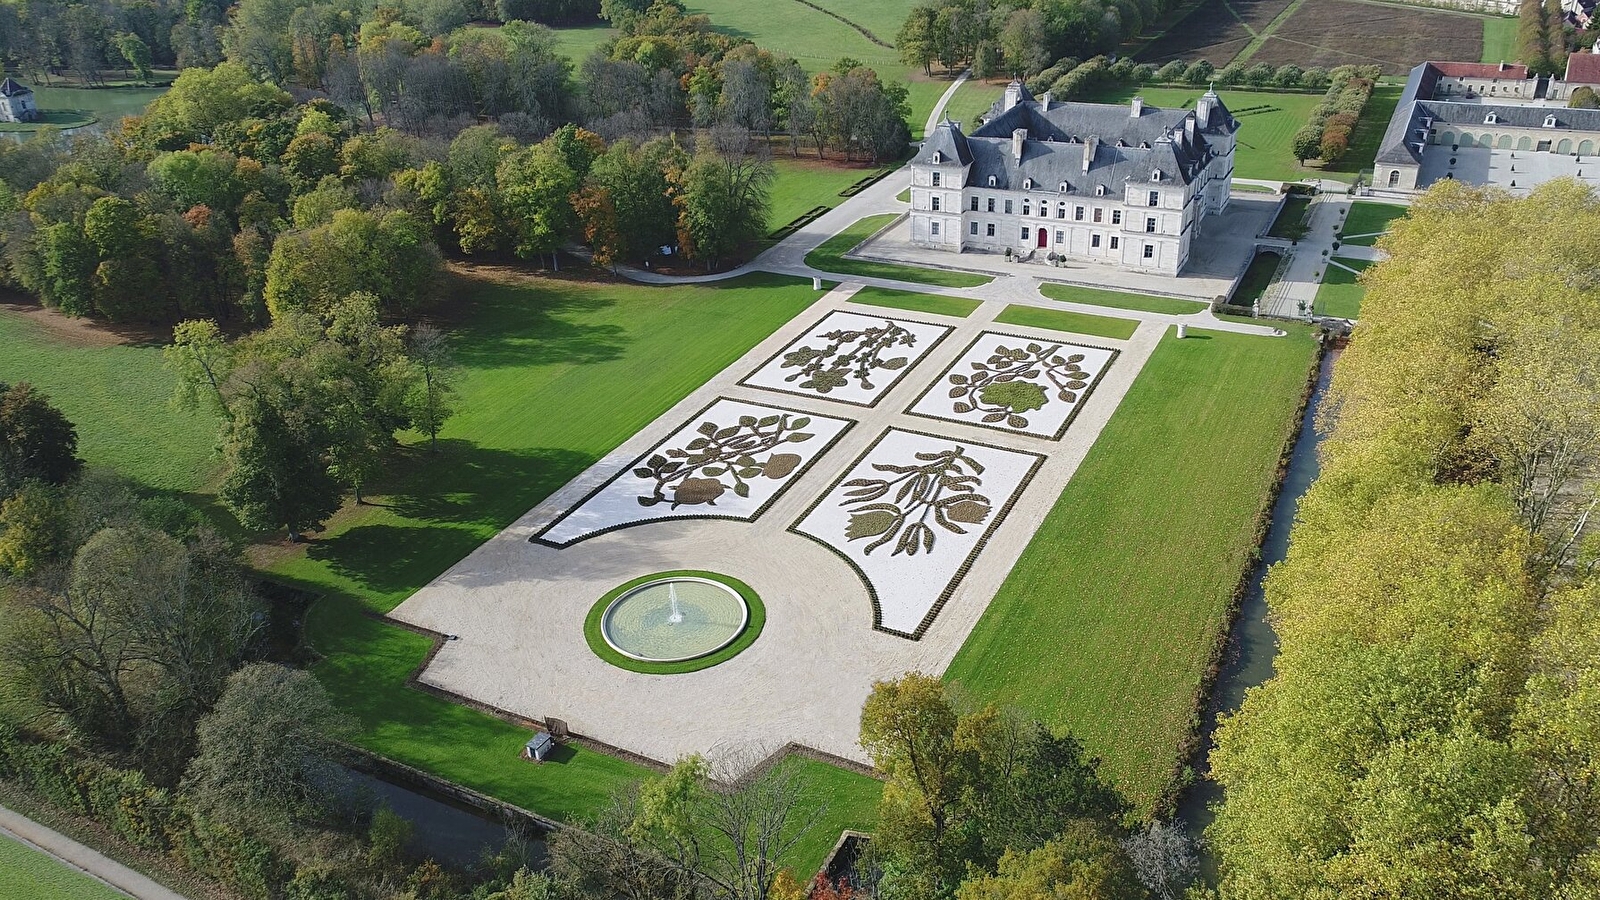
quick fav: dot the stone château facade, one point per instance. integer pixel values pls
(1129, 185)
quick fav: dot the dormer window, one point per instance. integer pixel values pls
(991, 181)
(1491, 119)
(1144, 145)
(1100, 190)
(1550, 121)
(1063, 188)
(937, 157)
(1156, 175)
(1027, 184)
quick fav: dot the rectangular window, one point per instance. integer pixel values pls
(1149, 251)
(1077, 214)
(1024, 233)
(934, 228)
(936, 204)
(1026, 209)
(991, 228)
(1008, 207)
(1114, 242)
(1155, 198)
(936, 179)
(1116, 217)
(974, 229)
(1098, 212)
(1150, 225)
(1061, 236)
(974, 202)
(1094, 240)
(1061, 211)
(991, 204)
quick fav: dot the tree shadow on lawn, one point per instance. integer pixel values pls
(521, 325)
(464, 483)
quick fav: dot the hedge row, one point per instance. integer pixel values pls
(1070, 78)
(1326, 135)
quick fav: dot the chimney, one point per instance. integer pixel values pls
(1502, 65)
(1202, 109)
(1017, 137)
(1089, 151)
(1046, 101)
(1188, 129)
(1138, 108)
(1013, 95)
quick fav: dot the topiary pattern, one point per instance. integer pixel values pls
(941, 487)
(1014, 381)
(854, 353)
(723, 458)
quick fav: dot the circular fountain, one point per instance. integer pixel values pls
(673, 619)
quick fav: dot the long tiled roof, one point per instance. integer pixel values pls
(1583, 68)
(1481, 70)
(1416, 112)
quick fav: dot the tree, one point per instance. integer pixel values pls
(536, 188)
(1307, 143)
(916, 39)
(268, 752)
(135, 52)
(277, 469)
(1084, 862)
(33, 533)
(1163, 858)
(723, 198)
(434, 386)
(389, 255)
(1584, 98)
(1022, 43)
(37, 442)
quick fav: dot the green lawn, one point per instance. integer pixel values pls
(1367, 221)
(1264, 149)
(1256, 278)
(1499, 39)
(576, 43)
(881, 17)
(1072, 293)
(542, 361)
(1066, 320)
(70, 107)
(804, 183)
(118, 398)
(958, 307)
(1339, 294)
(1107, 622)
(972, 99)
(27, 874)
(829, 257)
(1291, 221)
(1367, 137)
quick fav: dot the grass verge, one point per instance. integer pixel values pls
(36, 876)
(752, 628)
(1366, 222)
(1256, 278)
(1067, 320)
(959, 307)
(1291, 221)
(1340, 294)
(1499, 39)
(829, 257)
(1072, 293)
(1107, 624)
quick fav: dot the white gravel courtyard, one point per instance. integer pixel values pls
(875, 542)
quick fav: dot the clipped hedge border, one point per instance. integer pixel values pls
(752, 628)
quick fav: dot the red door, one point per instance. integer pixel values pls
(1044, 237)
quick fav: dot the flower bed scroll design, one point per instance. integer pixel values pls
(722, 458)
(941, 486)
(1012, 382)
(854, 353)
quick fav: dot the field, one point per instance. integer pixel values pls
(958, 307)
(1339, 294)
(881, 17)
(1268, 121)
(803, 183)
(1367, 138)
(971, 100)
(118, 397)
(1332, 33)
(1499, 39)
(1217, 30)
(578, 42)
(1071, 293)
(829, 257)
(1067, 320)
(1366, 222)
(27, 874)
(1106, 625)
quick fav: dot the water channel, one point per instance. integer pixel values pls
(453, 833)
(1252, 644)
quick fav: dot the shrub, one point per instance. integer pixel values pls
(1172, 71)
(1258, 75)
(1199, 73)
(1287, 76)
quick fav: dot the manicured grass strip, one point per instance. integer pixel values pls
(118, 399)
(1072, 293)
(1107, 622)
(1339, 294)
(972, 100)
(752, 628)
(1291, 219)
(1499, 39)
(799, 185)
(1366, 222)
(1256, 279)
(25, 872)
(829, 257)
(960, 307)
(1067, 320)
(847, 800)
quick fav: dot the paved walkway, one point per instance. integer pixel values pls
(1294, 293)
(89, 861)
(944, 100)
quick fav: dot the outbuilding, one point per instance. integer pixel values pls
(539, 746)
(17, 103)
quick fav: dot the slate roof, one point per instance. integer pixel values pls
(1415, 109)
(1060, 135)
(10, 88)
(1481, 70)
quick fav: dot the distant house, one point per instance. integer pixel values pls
(1127, 185)
(1583, 70)
(17, 103)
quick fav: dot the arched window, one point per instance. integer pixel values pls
(1485, 140)
(1466, 140)
(1524, 143)
(1565, 146)
(1586, 148)
(1447, 137)
(1394, 177)
(1027, 184)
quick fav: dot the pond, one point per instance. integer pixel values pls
(68, 108)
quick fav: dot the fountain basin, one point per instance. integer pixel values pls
(674, 618)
